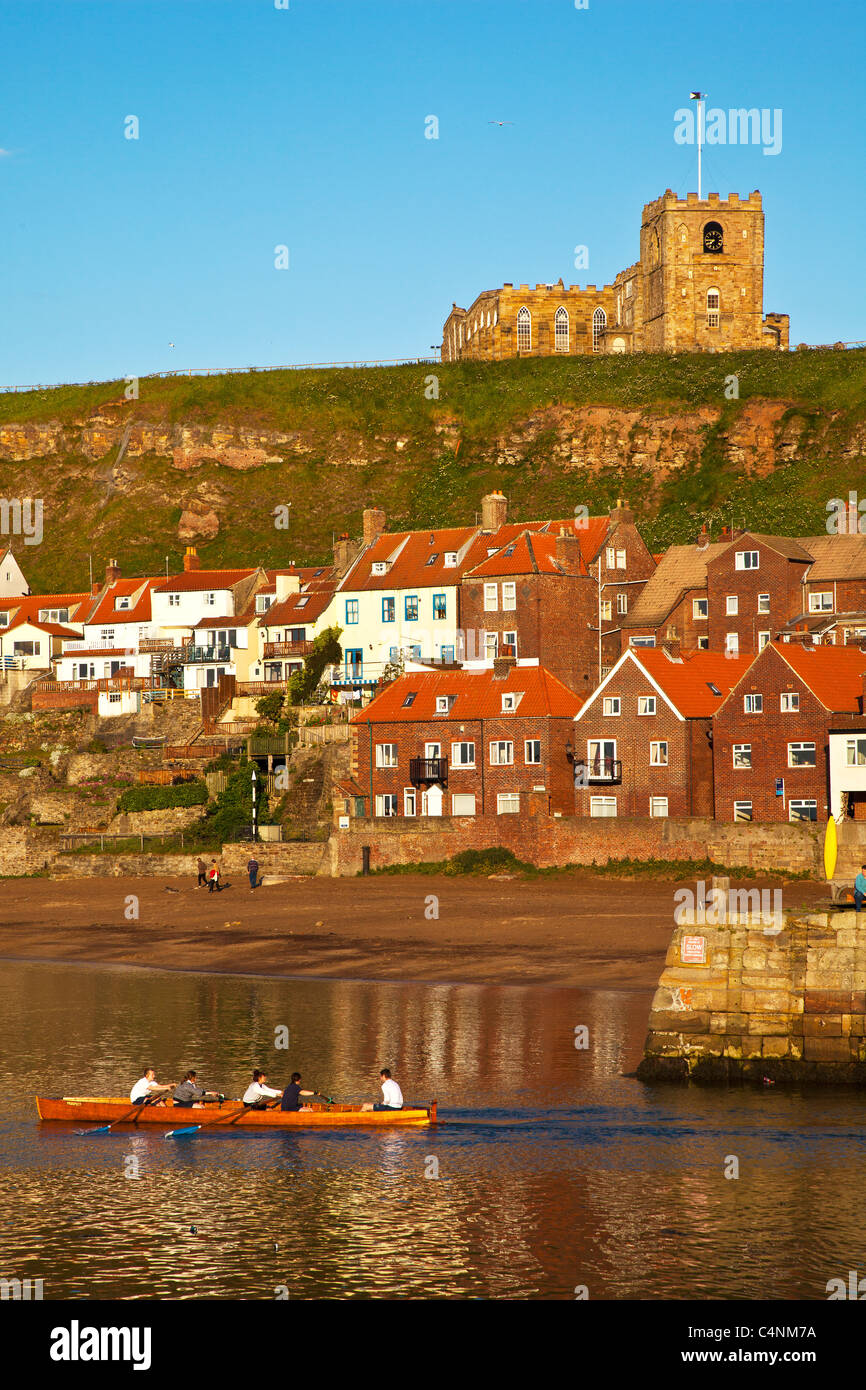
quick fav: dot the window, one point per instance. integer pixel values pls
(449, 559)
(491, 598)
(507, 803)
(753, 704)
(440, 605)
(610, 557)
(386, 805)
(742, 755)
(388, 607)
(610, 704)
(703, 644)
(462, 755)
(801, 755)
(351, 611)
(411, 608)
(123, 602)
(700, 607)
(432, 751)
(509, 597)
(600, 806)
(509, 639)
(620, 559)
(532, 750)
(742, 810)
(746, 560)
(53, 615)
(789, 701)
(560, 330)
(263, 602)
(599, 324)
(354, 662)
(302, 602)
(659, 754)
(25, 648)
(443, 704)
(386, 755)
(463, 804)
(380, 566)
(606, 610)
(524, 330)
(646, 704)
(622, 603)
(410, 802)
(821, 603)
(732, 644)
(491, 645)
(106, 636)
(713, 304)
(644, 641)
(511, 700)
(501, 753)
(431, 559)
(763, 640)
(448, 655)
(410, 698)
(763, 603)
(855, 752)
(174, 600)
(210, 599)
(732, 605)
(658, 807)
(802, 810)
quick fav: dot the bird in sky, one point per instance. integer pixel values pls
(500, 123)
(171, 344)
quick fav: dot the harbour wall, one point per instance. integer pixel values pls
(774, 1000)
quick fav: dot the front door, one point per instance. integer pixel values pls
(432, 801)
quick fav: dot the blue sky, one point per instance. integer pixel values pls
(305, 127)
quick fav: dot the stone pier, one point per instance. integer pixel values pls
(779, 998)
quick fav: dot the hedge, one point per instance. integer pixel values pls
(146, 798)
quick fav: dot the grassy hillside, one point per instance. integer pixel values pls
(376, 436)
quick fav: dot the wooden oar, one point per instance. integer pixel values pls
(103, 1129)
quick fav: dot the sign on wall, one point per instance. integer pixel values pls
(693, 950)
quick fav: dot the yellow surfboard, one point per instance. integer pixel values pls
(831, 849)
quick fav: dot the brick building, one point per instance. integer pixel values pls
(560, 594)
(643, 742)
(698, 286)
(771, 734)
(673, 604)
(465, 743)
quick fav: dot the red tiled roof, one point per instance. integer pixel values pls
(26, 609)
(833, 674)
(94, 651)
(478, 695)
(409, 553)
(533, 552)
(105, 611)
(53, 629)
(687, 682)
(193, 580)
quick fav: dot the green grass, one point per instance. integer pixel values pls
(441, 473)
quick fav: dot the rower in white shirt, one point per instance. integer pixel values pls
(257, 1094)
(146, 1088)
(392, 1096)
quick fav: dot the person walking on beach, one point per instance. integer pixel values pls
(253, 871)
(201, 866)
(213, 878)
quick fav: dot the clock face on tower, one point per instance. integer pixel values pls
(714, 240)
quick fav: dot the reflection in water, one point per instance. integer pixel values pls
(555, 1169)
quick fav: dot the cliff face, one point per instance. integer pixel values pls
(211, 460)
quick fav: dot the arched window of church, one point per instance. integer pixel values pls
(599, 324)
(713, 307)
(461, 335)
(494, 317)
(560, 330)
(488, 318)
(524, 330)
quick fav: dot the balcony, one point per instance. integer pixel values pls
(428, 770)
(607, 770)
(273, 649)
(195, 655)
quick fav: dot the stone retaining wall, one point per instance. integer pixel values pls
(124, 866)
(292, 857)
(767, 1004)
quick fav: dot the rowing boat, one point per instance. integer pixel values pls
(117, 1110)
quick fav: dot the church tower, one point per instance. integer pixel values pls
(702, 266)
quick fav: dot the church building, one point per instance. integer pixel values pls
(698, 287)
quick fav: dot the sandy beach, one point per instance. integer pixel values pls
(572, 929)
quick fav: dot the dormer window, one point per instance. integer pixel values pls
(380, 566)
(263, 602)
(450, 559)
(444, 703)
(510, 701)
(122, 602)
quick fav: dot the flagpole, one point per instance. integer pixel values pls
(699, 97)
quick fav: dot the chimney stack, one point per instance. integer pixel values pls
(501, 667)
(112, 572)
(286, 584)
(374, 524)
(704, 538)
(190, 559)
(494, 511)
(622, 512)
(345, 551)
(672, 648)
(568, 551)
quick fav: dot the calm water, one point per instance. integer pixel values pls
(554, 1169)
